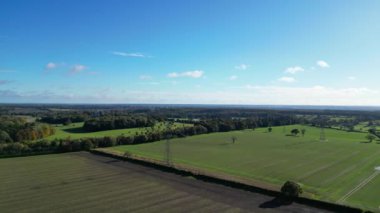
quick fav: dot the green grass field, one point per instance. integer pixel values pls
(328, 170)
(75, 131)
(80, 182)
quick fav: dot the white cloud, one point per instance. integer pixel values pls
(138, 55)
(287, 79)
(250, 87)
(145, 77)
(50, 66)
(242, 67)
(323, 64)
(77, 68)
(233, 77)
(351, 78)
(189, 74)
(294, 70)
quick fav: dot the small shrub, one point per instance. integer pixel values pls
(291, 189)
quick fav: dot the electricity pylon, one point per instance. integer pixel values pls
(168, 154)
(322, 136)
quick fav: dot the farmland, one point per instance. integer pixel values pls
(82, 182)
(328, 170)
(75, 131)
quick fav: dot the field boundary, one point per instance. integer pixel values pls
(226, 181)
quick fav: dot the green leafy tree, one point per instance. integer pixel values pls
(295, 132)
(4, 137)
(370, 137)
(303, 131)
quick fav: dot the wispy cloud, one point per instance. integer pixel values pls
(287, 79)
(2, 82)
(189, 74)
(323, 64)
(351, 78)
(125, 54)
(315, 95)
(92, 73)
(241, 67)
(294, 70)
(51, 66)
(77, 68)
(233, 77)
(145, 77)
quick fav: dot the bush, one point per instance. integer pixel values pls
(291, 189)
(124, 140)
(107, 142)
(86, 144)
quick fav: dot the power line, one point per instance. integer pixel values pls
(322, 136)
(168, 155)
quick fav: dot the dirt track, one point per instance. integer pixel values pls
(234, 198)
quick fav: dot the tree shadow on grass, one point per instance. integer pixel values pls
(275, 203)
(224, 143)
(75, 130)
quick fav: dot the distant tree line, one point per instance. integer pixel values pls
(63, 118)
(70, 145)
(118, 122)
(149, 135)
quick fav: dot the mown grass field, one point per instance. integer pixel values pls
(328, 170)
(80, 182)
(75, 131)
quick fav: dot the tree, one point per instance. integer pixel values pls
(295, 132)
(370, 137)
(4, 137)
(67, 122)
(291, 189)
(372, 131)
(270, 129)
(303, 131)
(233, 139)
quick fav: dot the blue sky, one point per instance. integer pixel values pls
(322, 52)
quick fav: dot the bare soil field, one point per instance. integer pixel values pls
(83, 182)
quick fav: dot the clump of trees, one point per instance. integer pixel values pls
(295, 132)
(16, 129)
(63, 118)
(119, 122)
(370, 137)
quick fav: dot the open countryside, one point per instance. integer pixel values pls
(190, 106)
(327, 169)
(76, 131)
